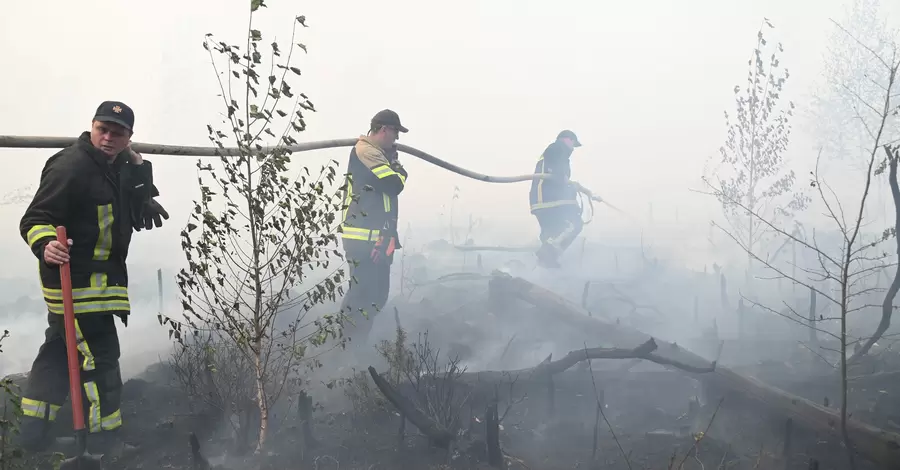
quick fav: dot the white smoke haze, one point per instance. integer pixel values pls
(486, 86)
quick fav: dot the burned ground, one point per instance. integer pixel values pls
(653, 416)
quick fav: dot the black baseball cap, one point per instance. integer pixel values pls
(116, 112)
(386, 117)
(571, 135)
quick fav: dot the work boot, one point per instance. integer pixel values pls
(109, 444)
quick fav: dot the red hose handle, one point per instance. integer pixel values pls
(65, 277)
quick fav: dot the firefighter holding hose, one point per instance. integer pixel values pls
(554, 200)
(369, 228)
(101, 191)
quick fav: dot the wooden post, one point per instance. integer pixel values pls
(584, 297)
(492, 435)
(786, 451)
(304, 404)
(159, 285)
(723, 291)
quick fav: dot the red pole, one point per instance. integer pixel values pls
(65, 276)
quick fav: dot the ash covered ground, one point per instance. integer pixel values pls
(651, 415)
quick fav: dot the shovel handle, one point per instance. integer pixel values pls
(65, 277)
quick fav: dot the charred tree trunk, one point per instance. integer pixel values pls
(887, 306)
(492, 435)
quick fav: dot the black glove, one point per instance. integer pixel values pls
(391, 154)
(153, 214)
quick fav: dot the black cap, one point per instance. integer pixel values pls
(386, 117)
(116, 112)
(571, 135)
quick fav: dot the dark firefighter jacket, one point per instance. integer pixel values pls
(553, 192)
(99, 204)
(370, 197)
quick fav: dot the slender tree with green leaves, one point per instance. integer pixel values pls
(752, 168)
(261, 242)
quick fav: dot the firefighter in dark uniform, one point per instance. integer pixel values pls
(369, 228)
(101, 191)
(554, 201)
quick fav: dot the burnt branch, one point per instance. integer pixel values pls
(441, 437)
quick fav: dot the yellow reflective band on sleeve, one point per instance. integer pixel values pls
(39, 232)
(402, 179)
(93, 396)
(383, 171)
(357, 233)
(387, 203)
(38, 409)
(112, 421)
(103, 246)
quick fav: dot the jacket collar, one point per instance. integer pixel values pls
(364, 140)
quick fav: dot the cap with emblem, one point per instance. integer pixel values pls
(570, 135)
(115, 112)
(386, 117)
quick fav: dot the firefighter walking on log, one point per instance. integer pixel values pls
(375, 178)
(101, 191)
(554, 200)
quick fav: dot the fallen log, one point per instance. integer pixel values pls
(542, 371)
(546, 369)
(877, 445)
(440, 437)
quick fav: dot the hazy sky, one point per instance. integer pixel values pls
(484, 84)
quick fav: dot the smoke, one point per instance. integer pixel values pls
(143, 342)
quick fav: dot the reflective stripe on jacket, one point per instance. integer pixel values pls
(370, 196)
(552, 192)
(99, 203)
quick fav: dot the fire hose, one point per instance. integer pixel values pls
(9, 141)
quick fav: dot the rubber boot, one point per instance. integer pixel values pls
(109, 444)
(547, 256)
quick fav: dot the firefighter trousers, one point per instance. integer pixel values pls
(559, 226)
(48, 382)
(369, 289)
